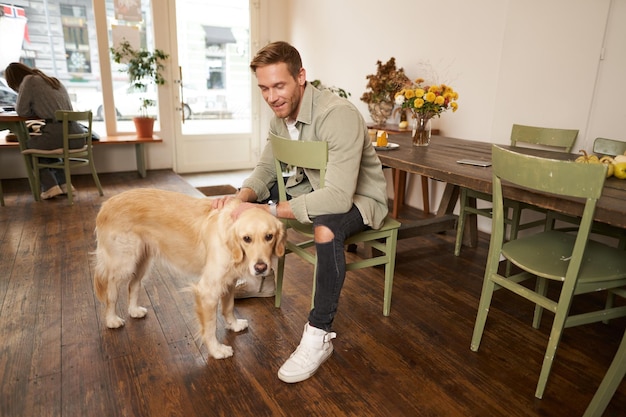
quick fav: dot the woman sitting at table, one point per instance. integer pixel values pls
(40, 96)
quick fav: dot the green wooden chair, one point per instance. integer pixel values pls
(605, 146)
(601, 147)
(560, 139)
(581, 265)
(608, 386)
(69, 158)
(314, 155)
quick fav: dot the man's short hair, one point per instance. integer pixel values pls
(277, 52)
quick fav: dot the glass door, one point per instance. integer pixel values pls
(211, 50)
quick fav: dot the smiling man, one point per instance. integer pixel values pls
(353, 199)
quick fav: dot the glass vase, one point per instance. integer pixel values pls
(421, 130)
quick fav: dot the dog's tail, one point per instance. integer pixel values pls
(100, 276)
(100, 279)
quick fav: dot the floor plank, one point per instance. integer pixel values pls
(58, 359)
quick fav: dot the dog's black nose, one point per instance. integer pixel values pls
(260, 267)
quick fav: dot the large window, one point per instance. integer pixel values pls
(63, 38)
(76, 38)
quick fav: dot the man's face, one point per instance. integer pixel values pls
(280, 90)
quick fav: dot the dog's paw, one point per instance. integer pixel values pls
(137, 312)
(238, 325)
(220, 351)
(114, 322)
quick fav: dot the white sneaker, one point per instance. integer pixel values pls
(315, 347)
(255, 286)
(64, 188)
(51, 192)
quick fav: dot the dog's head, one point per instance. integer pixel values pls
(255, 238)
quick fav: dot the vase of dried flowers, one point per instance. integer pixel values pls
(380, 111)
(382, 88)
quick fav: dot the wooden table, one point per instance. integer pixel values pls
(438, 161)
(17, 125)
(14, 123)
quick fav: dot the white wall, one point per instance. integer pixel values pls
(519, 61)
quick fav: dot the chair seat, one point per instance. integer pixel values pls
(58, 151)
(547, 255)
(389, 224)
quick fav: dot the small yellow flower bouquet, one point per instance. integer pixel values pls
(427, 101)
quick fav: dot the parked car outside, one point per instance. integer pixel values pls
(8, 96)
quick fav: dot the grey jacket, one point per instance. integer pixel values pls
(37, 99)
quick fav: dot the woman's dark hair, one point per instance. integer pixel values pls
(16, 72)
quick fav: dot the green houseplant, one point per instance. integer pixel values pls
(143, 68)
(333, 89)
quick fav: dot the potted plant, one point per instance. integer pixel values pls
(382, 88)
(143, 68)
(333, 89)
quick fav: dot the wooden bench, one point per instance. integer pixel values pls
(106, 140)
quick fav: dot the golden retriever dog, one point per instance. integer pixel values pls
(138, 227)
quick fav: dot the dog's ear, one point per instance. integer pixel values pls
(281, 240)
(228, 231)
(234, 245)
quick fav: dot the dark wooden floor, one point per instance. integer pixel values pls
(58, 359)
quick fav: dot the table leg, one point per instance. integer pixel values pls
(399, 187)
(399, 192)
(21, 131)
(425, 194)
(470, 232)
(448, 200)
(141, 159)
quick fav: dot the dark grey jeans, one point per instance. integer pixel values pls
(331, 265)
(331, 262)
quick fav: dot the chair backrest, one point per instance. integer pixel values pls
(297, 153)
(612, 147)
(551, 176)
(85, 117)
(544, 136)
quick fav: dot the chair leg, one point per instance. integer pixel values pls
(280, 269)
(515, 219)
(460, 226)
(610, 300)
(608, 386)
(68, 181)
(390, 267)
(562, 310)
(483, 310)
(70, 193)
(94, 174)
(541, 287)
(37, 178)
